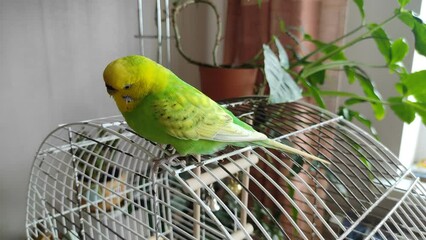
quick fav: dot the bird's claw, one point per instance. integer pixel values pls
(177, 162)
(172, 160)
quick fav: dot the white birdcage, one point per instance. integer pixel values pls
(99, 180)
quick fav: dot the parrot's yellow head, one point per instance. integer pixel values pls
(129, 79)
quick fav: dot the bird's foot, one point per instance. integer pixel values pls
(172, 160)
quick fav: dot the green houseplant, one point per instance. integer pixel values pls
(310, 70)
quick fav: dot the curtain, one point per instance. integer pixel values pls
(249, 25)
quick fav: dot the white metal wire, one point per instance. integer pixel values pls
(96, 180)
(162, 37)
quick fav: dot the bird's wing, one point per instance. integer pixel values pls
(195, 116)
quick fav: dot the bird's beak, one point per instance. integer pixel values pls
(110, 89)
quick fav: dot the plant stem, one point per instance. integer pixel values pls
(347, 45)
(353, 95)
(416, 106)
(318, 50)
(181, 5)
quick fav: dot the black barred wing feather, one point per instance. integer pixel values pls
(196, 116)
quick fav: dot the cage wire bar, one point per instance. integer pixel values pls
(96, 180)
(163, 30)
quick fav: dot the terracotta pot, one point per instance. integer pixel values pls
(222, 83)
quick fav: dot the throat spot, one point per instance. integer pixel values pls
(128, 99)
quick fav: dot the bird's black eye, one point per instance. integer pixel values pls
(127, 86)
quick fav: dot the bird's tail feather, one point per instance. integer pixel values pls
(279, 146)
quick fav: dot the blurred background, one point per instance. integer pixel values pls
(53, 52)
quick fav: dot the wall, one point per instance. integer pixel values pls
(52, 55)
(421, 150)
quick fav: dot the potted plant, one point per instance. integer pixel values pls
(310, 70)
(218, 81)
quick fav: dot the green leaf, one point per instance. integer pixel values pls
(315, 92)
(317, 78)
(328, 48)
(350, 74)
(360, 5)
(417, 27)
(307, 37)
(294, 212)
(299, 166)
(368, 165)
(401, 88)
(404, 111)
(371, 92)
(282, 86)
(283, 27)
(350, 115)
(398, 68)
(399, 49)
(382, 41)
(352, 101)
(336, 182)
(365, 121)
(406, 17)
(402, 3)
(345, 112)
(416, 85)
(308, 71)
(420, 109)
(359, 151)
(419, 31)
(315, 165)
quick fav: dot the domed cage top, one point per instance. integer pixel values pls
(99, 180)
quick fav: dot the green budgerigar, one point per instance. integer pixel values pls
(164, 109)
